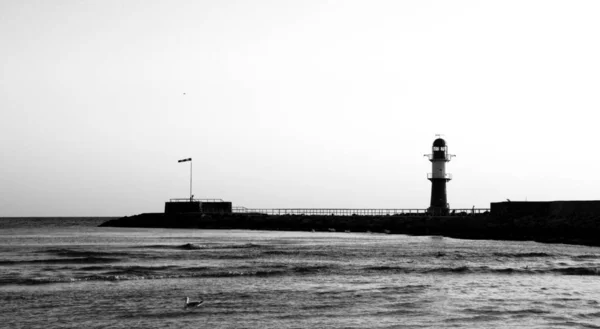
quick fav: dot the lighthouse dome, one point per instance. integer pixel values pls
(439, 142)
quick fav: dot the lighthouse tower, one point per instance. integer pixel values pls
(438, 177)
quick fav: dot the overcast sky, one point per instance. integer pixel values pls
(281, 104)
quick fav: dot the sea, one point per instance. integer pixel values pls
(70, 273)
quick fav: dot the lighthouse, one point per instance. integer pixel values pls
(438, 177)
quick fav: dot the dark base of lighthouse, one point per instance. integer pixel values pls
(439, 202)
(438, 211)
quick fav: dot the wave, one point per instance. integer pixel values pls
(522, 255)
(83, 253)
(503, 312)
(592, 315)
(125, 273)
(136, 272)
(211, 251)
(586, 257)
(577, 271)
(263, 272)
(129, 276)
(592, 271)
(190, 246)
(194, 246)
(77, 260)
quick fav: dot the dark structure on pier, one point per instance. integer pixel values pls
(516, 209)
(438, 177)
(176, 206)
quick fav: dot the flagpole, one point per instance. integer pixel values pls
(190, 160)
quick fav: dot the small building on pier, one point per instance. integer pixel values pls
(174, 206)
(545, 208)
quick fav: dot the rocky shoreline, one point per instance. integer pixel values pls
(583, 230)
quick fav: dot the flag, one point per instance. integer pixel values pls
(184, 160)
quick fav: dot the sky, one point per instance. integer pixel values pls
(294, 104)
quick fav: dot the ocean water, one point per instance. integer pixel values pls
(68, 273)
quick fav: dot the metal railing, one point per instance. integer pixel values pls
(438, 176)
(467, 211)
(446, 157)
(351, 211)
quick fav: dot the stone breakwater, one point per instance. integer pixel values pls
(583, 230)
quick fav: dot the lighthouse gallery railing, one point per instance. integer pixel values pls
(444, 176)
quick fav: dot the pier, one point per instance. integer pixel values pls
(354, 211)
(216, 205)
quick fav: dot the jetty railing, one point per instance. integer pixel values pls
(352, 211)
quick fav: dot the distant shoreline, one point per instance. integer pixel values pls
(568, 230)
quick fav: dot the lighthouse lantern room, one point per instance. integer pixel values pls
(438, 177)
